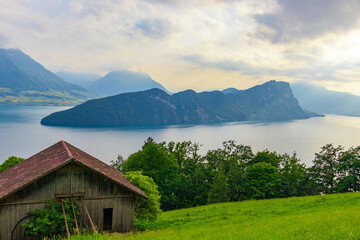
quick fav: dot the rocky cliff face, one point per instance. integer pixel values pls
(272, 101)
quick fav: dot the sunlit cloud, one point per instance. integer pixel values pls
(192, 44)
(156, 28)
(295, 20)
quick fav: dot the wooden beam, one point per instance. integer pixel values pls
(66, 224)
(76, 224)
(85, 199)
(88, 215)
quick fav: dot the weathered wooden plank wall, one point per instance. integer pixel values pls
(70, 179)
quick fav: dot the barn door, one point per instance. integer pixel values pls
(107, 220)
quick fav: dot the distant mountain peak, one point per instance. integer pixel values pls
(122, 81)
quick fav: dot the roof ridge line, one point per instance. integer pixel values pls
(66, 149)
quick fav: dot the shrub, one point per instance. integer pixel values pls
(145, 209)
(49, 221)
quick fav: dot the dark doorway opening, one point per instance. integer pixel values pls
(108, 213)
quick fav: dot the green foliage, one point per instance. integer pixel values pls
(218, 192)
(266, 156)
(49, 222)
(193, 185)
(11, 161)
(230, 154)
(145, 209)
(324, 170)
(117, 164)
(293, 176)
(154, 161)
(264, 180)
(349, 171)
(237, 181)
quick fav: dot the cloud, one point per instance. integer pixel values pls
(214, 37)
(308, 19)
(314, 70)
(155, 28)
(197, 3)
(3, 41)
(223, 65)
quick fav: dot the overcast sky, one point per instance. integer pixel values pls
(196, 44)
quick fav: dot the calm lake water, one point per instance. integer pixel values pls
(22, 135)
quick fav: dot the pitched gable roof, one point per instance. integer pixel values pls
(52, 158)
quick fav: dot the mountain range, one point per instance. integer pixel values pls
(321, 100)
(272, 101)
(25, 81)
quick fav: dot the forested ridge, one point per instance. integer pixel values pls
(271, 101)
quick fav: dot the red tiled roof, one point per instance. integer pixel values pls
(50, 159)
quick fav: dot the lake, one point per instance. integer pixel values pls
(22, 135)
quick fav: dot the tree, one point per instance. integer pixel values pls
(218, 191)
(186, 155)
(293, 176)
(193, 186)
(11, 161)
(266, 156)
(145, 209)
(154, 161)
(264, 181)
(117, 164)
(237, 182)
(230, 153)
(201, 185)
(349, 170)
(325, 167)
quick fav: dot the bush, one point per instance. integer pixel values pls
(49, 222)
(145, 209)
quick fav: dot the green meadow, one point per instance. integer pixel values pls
(335, 216)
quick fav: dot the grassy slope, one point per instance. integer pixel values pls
(319, 217)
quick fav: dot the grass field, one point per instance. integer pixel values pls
(334, 216)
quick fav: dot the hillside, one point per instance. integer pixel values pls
(117, 82)
(316, 217)
(319, 99)
(272, 101)
(25, 81)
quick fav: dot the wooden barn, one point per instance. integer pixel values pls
(62, 171)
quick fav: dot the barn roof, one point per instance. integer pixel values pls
(52, 158)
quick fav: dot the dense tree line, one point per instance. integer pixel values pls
(234, 173)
